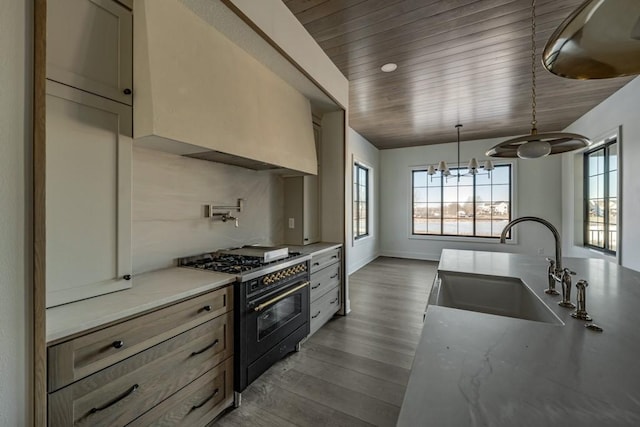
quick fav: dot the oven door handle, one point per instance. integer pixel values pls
(279, 297)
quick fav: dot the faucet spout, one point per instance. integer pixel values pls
(556, 235)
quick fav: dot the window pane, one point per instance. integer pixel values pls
(597, 162)
(613, 212)
(419, 210)
(363, 193)
(363, 176)
(613, 157)
(483, 227)
(497, 226)
(434, 181)
(593, 187)
(600, 181)
(465, 195)
(501, 210)
(450, 227)
(450, 194)
(500, 192)
(434, 227)
(483, 194)
(613, 184)
(434, 194)
(434, 211)
(483, 179)
(420, 195)
(419, 179)
(500, 175)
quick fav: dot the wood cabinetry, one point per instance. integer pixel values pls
(326, 278)
(90, 47)
(88, 149)
(173, 366)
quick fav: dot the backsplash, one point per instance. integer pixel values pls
(169, 192)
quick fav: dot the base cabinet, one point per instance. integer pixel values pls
(186, 379)
(326, 280)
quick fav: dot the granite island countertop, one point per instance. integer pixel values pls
(476, 369)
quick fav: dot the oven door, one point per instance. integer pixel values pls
(274, 318)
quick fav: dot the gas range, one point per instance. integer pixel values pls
(246, 263)
(271, 304)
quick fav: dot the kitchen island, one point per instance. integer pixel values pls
(477, 369)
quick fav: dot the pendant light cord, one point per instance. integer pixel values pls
(534, 122)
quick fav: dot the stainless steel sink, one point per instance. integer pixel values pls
(503, 296)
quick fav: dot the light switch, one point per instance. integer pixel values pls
(292, 223)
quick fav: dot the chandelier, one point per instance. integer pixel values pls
(537, 144)
(473, 166)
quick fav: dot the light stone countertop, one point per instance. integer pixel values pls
(476, 369)
(149, 291)
(314, 248)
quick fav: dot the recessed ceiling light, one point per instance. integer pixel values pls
(390, 67)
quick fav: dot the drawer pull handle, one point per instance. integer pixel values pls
(116, 400)
(334, 257)
(316, 315)
(206, 308)
(118, 344)
(316, 286)
(215, 392)
(334, 276)
(195, 353)
(316, 263)
(334, 301)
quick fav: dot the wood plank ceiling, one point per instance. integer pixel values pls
(459, 61)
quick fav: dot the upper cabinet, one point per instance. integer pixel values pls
(196, 91)
(90, 47)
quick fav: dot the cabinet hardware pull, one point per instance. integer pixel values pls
(194, 407)
(279, 297)
(316, 263)
(127, 277)
(116, 400)
(334, 257)
(334, 301)
(195, 353)
(334, 276)
(127, 91)
(206, 308)
(316, 315)
(118, 344)
(316, 286)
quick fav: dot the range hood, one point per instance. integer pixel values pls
(198, 94)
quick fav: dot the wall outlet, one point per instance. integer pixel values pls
(292, 223)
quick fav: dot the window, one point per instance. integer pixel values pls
(601, 201)
(360, 201)
(474, 206)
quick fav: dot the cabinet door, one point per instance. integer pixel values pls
(88, 195)
(90, 46)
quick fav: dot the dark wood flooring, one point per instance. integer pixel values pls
(352, 372)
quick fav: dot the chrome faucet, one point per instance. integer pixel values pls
(555, 271)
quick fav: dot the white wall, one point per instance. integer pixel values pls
(620, 110)
(361, 252)
(169, 192)
(537, 193)
(15, 220)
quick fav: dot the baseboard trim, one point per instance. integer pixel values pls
(411, 255)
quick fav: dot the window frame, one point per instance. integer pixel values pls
(605, 146)
(355, 198)
(511, 237)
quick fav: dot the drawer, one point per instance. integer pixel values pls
(324, 308)
(197, 404)
(120, 393)
(82, 356)
(320, 261)
(324, 280)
